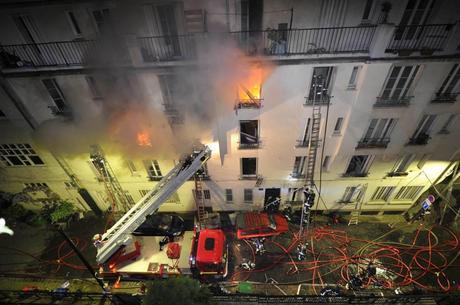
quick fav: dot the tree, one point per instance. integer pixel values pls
(61, 212)
(174, 291)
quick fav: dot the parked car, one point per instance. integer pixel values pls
(161, 225)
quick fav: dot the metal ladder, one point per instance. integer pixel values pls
(354, 215)
(120, 233)
(199, 200)
(111, 183)
(313, 145)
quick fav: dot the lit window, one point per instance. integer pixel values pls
(250, 89)
(19, 155)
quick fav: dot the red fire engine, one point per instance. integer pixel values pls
(209, 253)
(260, 224)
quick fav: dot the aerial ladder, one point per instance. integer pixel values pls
(120, 234)
(319, 93)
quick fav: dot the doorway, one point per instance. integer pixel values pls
(272, 200)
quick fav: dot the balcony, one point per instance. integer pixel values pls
(297, 176)
(373, 143)
(62, 53)
(248, 103)
(301, 143)
(249, 145)
(445, 98)
(425, 38)
(323, 99)
(61, 111)
(421, 139)
(355, 174)
(393, 102)
(397, 174)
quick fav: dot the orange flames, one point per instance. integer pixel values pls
(143, 139)
(250, 86)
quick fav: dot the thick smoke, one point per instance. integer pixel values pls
(204, 93)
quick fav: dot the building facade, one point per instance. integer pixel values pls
(99, 99)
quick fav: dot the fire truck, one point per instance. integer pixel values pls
(120, 253)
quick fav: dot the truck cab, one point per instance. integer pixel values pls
(209, 256)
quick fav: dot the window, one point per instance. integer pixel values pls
(19, 155)
(303, 142)
(320, 85)
(383, 193)
(172, 92)
(132, 168)
(359, 165)
(445, 127)
(354, 77)
(143, 192)
(248, 195)
(2, 114)
(338, 125)
(416, 12)
(93, 87)
(422, 132)
(249, 134)
(326, 161)
(448, 90)
(73, 23)
(422, 161)
(101, 18)
(36, 185)
(248, 167)
(398, 86)
(367, 11)
(207, 194)
(350, 195)
(299, 165)
(401, 166)
(228, 195)
(153, 169)
(408, 192)
(378, 133)
(56, 94)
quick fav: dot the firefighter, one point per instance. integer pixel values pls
(97, 240)
(301, 252)
(163, 242)
(248, 266)
(260, 246)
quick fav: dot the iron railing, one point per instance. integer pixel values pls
(169, 47)
(428, 37)
(301, 143)
(321, 99)
(373, 143)
(445, 97)
(421, 139)
(62, 53)
(393, 101)
(249, 145)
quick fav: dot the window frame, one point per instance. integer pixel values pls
(247, 135)
(354, 77)
(364, 170)
(72, 19)
(408, 86)
(339, 123)
(229, 194)
(383, 193)
(23, 153)
(246, 192)
(248, 176)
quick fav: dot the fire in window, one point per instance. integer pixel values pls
(250, 89)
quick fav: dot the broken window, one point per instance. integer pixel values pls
(299, 165)
(249, 167)
(153, 169)
(250, 89)
(249, 134)
(359, 165)
(320, 85)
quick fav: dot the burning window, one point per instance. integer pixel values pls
(249, 167)
(249, 134)
(250, 89)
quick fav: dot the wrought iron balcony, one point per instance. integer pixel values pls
(248, 103)
(61, 111)
(301, 143)
(426, 38)
(421, 139)
(445, 98)
(355, 174)
(397, 174)
(373, 143)
(249, 145)
(393, 102)
(322, 99)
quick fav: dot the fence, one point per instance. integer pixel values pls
(429, 37)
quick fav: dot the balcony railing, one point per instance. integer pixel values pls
(392, 102)
(61, 111)
(301, 143)
(428, 38)
(169, 47)
(445, 98)
(249, 145)
(421, 139)
(373, 143)
(355, 174)
(322, 99)
(248, 103)
(63, 53)
(297, 175)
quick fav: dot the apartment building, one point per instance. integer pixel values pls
(99, 99)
